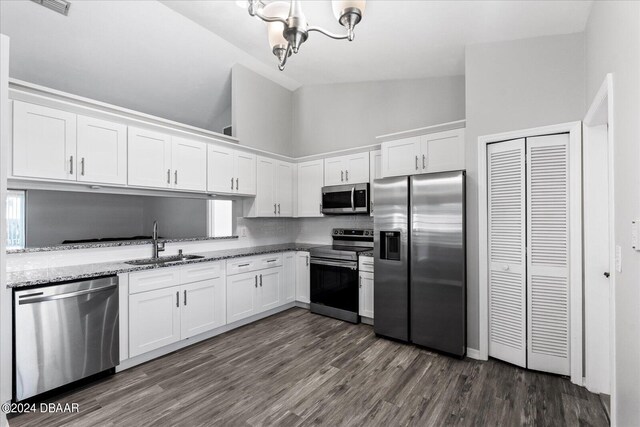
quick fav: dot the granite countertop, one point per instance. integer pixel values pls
(41, 276)
(112, 244)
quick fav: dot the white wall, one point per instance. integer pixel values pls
(261, 111)
(613, 46)
(509, 86)
(338, 116)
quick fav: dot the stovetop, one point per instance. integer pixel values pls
(347, 243)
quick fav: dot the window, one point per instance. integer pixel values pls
(15, 219)
(220, 218)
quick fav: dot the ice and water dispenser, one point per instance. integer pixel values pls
(390, 245)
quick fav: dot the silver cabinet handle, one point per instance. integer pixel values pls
(360, 280)
(185, 297)
(342, 176)
(424, 158)
(272, 260)
(178, 299)
(256, 277)
(168, 176)
(416, 162)
(244, 265)
(261, 280)
(320, 208)
(307, 260)
(175, 177)
(278, 208)
(82, 167)
(372, 206)
(232, 183)
(274, 209)
(347, 175)
(353, 203)
(71, 165)
(237, 186)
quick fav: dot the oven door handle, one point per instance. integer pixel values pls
(348, 264)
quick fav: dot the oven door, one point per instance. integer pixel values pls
(345, 199)
(334, 288)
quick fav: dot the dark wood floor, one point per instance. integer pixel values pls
(297, 368)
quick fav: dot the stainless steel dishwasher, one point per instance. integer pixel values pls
(63, 333)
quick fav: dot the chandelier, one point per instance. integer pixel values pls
(287, 26)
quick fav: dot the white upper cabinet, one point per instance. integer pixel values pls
(375, 170)
(189, 164)
(274, 189)
(149, 162)
(435, 152)
(284, 189)
(44, 142)
(350, 169)
(442, 151)
(102, 151)
(245, 176)
(231, 171)
(310, 182)
(401, 157)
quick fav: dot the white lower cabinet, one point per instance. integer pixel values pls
(242, 295)
(288, 282)
(163, 315)
(203, 307)
(154, 320)
(303, 278)
(269, 288)
(366, 294)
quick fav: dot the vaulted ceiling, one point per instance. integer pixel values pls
(173, 58)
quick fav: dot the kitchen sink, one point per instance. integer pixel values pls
(163, 259)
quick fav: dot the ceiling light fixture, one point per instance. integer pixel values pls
(287, 26)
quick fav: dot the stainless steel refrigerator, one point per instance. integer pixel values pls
(420, 260)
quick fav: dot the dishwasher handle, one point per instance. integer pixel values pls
(66, 295)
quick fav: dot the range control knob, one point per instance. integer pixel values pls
(341, 232)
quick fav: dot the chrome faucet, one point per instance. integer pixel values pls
(157, 246)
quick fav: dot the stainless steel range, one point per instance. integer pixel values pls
(334, 273)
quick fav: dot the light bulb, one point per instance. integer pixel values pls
(339, 7)
(278, 9)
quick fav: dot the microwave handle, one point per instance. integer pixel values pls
(353, 205)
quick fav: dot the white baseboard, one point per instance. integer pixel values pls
(472, 353)
(154, 354)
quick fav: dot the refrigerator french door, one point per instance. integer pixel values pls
(420, 260)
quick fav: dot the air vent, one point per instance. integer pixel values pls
(60, 6)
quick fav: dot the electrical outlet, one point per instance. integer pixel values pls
(243, 231)
(618, 259)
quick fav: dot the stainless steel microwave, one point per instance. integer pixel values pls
(345, 199)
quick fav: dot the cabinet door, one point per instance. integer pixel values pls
(203, 306)
(189, 161)
(366, 295)
(245, 175)
(302, 277)
(265, 203)
(102, 151)
(284, 188)
(269, 282)
(288, 283)
(149, 159)
(310, 182)
(357, 168)
(375, 171)
(154, 320)
(242, 292)
(443, 151)
(44, 142)
(220, 169)
(401, 157)
(334, 168)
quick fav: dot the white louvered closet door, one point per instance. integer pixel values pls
(506, 222)
(548, 260)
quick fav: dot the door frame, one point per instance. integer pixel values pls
(601, 112)
(574, 129)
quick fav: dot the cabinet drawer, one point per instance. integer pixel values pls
(366, 264)
(153, 279)
(271, 260)
(242, 265)
(200, 271)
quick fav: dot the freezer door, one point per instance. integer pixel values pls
(438, 264)
(391, 263)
